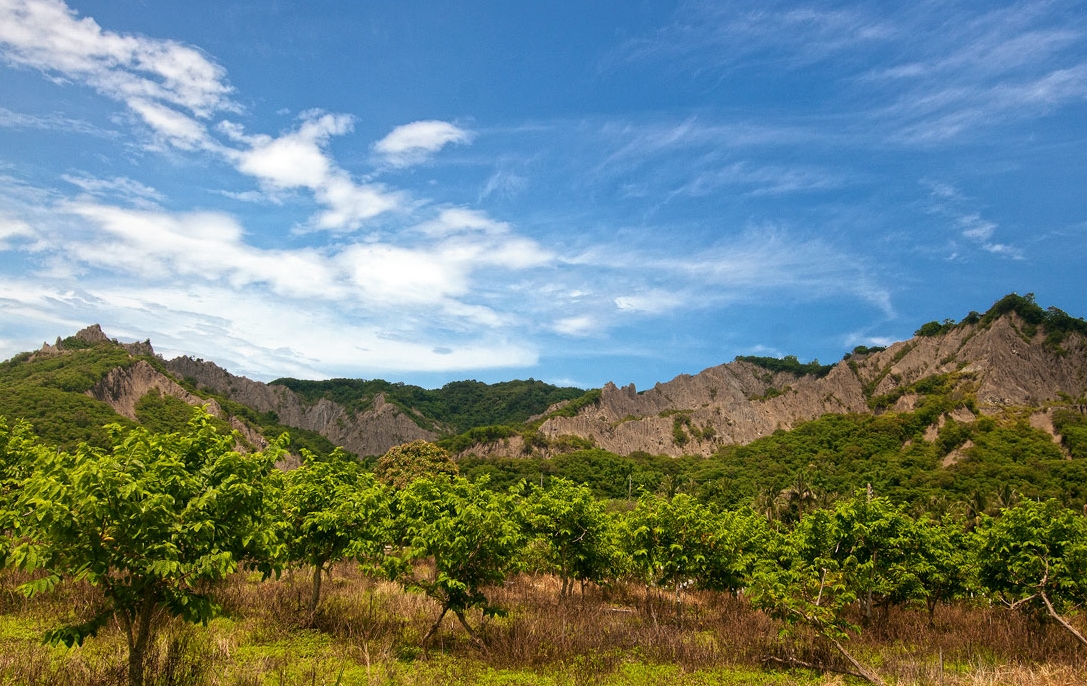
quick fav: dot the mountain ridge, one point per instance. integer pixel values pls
(1016, 355)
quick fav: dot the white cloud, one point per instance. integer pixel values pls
(461, 220)
(50, 122)
(948, 202)
(299, 160)
(250, 332)
(653, 302)
(172, 87)
(503, 184)
(415, 142)
(121, 186)
(579, 326)
(293, 160)
(47, 35)
(13, 228)
(975, 228)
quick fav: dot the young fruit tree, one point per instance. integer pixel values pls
(332, 510)
(1034, 556)
(153, 521)
(579, 536)
(860, 552)
(453, 538)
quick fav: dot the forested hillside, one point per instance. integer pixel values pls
(971, 414)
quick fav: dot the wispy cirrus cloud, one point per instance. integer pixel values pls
(117, 186)
(51, 122)
(946, 71)
(971, 229)
(725, 36)
(48, 36)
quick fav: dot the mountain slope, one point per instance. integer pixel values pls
(1003, 359)
(1016, 355)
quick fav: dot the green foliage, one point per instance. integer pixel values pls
(942, 567)
(673, 542)
(580, 538)
(152, 521)
(1072, 426)
(865, 350)
(1017, 455)
(455, 408)
(935, 328)
(669, 541)
(479, 435)
(465, 532)
(405, 463)
(1054, 322)
(162, 413)
(332, 510)
(48, 391)
(1035, 554)
(789, 364)
(575, 405)
(872, 546)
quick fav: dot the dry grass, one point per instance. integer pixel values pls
(368, 632)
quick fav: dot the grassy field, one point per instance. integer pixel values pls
(368, 632)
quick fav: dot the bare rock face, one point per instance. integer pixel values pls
(739, 402)
(123, 387)
(371, 432)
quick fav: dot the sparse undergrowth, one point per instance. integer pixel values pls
(367, 632)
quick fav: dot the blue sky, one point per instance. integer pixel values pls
(575, 192)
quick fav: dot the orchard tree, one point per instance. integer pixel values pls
(453, 538)
(872, 543)
(152, 520)
(405, 463)
(861, 551)
(670, 542)
(1034, 556)
(579, 535)
(19, 450)
(332, 510)
(941, 567)
(739, 539)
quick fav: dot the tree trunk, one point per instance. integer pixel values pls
(315, 598)
(565, 576)
(138, 630)
(1063, 622)
(471, 632)
(434, 627)
(862, 671)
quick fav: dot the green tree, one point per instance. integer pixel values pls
(152, 521)
(679, 542)
(454, 539)
(870, 542)
(941, 566)
(332, 510)
(1035, 556)
(578, 533)
(405, 463)
(739, 539)
(797, 590)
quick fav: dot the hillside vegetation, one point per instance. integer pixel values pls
(454, 408)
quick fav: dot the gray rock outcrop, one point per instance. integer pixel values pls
(370, 432)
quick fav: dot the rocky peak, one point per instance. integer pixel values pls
(1002, 363)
